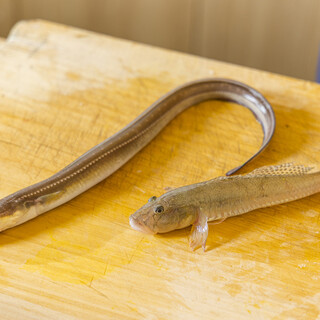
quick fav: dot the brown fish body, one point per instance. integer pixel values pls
(108, 156)
(229, 196)
(224, 197)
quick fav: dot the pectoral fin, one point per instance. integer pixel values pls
(49, 197)
(199, 232)
(42, 199)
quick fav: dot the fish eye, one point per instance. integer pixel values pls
(159, 209)
(154, 198)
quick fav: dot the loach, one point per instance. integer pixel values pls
(108, 156)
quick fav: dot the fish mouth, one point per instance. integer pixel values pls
(137, 225)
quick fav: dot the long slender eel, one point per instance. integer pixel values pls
(108, 156)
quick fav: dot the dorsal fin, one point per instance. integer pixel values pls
(282, 169)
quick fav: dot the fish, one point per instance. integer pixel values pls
(223, 197)
(108, 156)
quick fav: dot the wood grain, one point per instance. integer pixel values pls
(62, 91)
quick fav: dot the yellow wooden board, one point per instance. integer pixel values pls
(64, 90)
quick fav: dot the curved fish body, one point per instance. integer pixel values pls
(224, 197)
(105, 158)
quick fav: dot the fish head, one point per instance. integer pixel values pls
(14, 212)
(162, 215)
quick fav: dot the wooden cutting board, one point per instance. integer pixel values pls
(62, 91)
